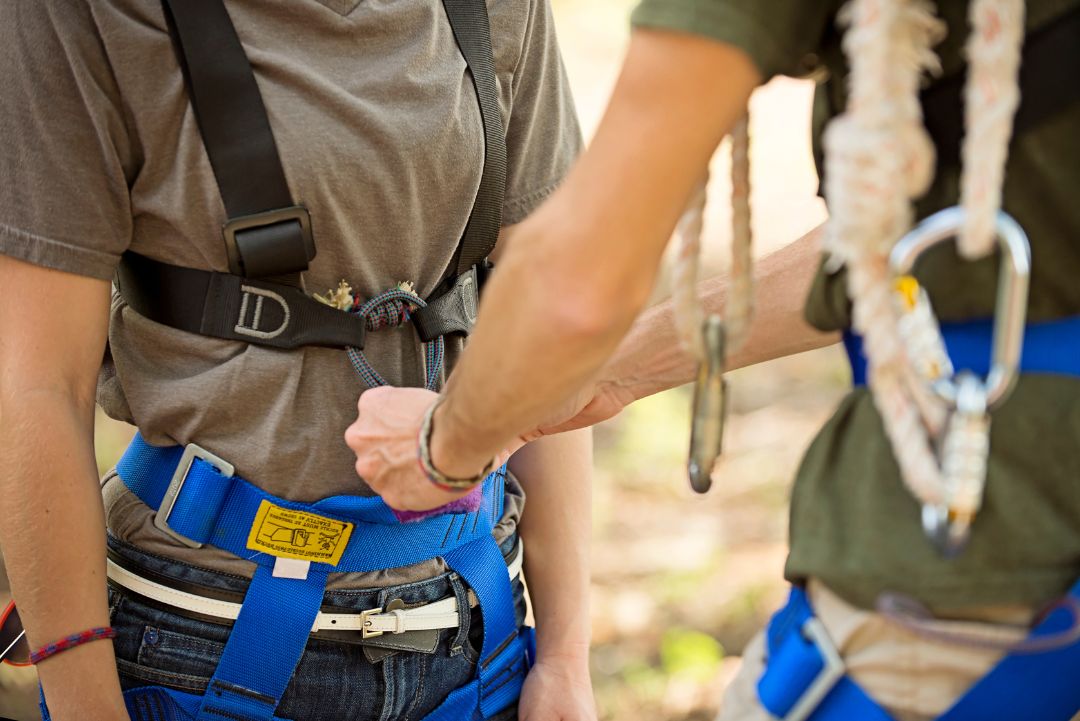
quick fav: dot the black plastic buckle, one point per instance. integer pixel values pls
(453, 310)
(267, 244)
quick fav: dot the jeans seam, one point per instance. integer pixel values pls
(186, 682)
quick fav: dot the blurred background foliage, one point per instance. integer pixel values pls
(681, 582)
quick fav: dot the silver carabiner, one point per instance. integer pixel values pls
(965, 447)
(1010, 311)
(710, 407)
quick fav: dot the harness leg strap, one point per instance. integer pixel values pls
(265, 646)
(503, 658)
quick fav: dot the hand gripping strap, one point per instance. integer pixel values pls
(219, 510)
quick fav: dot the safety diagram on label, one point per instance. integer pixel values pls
(287, 533)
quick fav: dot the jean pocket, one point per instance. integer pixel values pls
(154, 647)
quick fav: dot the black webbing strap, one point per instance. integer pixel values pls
(451, 308)
(1049, 84)
(472, 30)
(228, 306)
(266, 234)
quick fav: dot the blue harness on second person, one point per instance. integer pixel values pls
(805, 678)
(269, 637)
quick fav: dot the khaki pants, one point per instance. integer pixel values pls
(913, 677)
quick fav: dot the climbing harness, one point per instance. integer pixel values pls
(935, 384)
(805, 678)
(199, 499)
(295, 546)
(269, 238)
(713, 338)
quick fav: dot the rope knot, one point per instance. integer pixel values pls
(390, 309)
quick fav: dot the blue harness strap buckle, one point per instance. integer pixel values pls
(168, 501)
(832, 670)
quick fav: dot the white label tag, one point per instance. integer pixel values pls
(291, 568)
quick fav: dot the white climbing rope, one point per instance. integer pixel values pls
(738, 310)
(878, 158)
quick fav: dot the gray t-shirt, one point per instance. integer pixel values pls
(380, 135)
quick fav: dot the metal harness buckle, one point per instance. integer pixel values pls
(168, 501)
(831, 672)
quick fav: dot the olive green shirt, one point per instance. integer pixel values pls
(853, 523)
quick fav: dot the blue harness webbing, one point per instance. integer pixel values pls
(1051, 347)
(1039, 685)
(804, 679)
(271, 632)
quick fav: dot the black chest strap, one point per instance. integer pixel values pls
(267, 234)
(268, 237)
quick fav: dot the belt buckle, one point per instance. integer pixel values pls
(366, 625)
(832, 671)
(168, 501)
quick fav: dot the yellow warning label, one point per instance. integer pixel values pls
(305, 536)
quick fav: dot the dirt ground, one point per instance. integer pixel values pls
(681, 581)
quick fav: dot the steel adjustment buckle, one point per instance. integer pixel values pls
(710, 407)
(965, 447)
(832, 671)
(168, 501)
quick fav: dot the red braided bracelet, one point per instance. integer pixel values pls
(75, 639)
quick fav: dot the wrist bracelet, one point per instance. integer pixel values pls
(439, 479)
(76, 639)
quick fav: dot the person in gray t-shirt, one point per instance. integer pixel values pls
(376, 123)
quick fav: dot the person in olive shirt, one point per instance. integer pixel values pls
(554, 333)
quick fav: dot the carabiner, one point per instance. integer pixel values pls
(1010, 311)
(710, 407)
(965, 447)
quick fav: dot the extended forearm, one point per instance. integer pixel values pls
(52, 532)
(651, 358)
(584, 264)
(556, 473)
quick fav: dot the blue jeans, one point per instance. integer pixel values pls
(335, 680)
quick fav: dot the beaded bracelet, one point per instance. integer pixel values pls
(76, 639)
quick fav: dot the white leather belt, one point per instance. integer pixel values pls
(370, 623)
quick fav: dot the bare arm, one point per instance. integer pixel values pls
(556, 473)
(577, 274)
(651, 359)
(584, 264)
(52, 527)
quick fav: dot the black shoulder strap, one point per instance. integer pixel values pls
(472, 30)
(266, 234)
(1048, 84)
